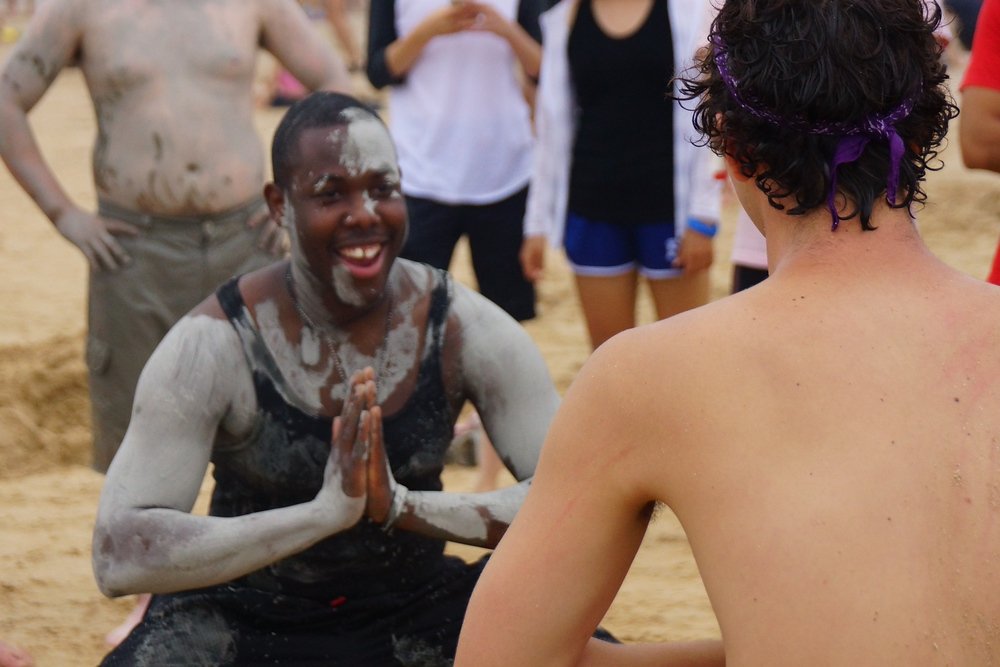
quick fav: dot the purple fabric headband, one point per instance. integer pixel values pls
(853, 136)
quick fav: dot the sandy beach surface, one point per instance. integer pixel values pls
(49, 603)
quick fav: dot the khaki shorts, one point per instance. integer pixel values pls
(176, 263)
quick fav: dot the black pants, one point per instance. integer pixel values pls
(235, 625)
(495, 232)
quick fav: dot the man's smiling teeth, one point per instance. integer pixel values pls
(361, 252)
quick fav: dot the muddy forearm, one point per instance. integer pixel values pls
(479, 519)
(23, 157)
(337, 78)
(159, 550)
(48, 44)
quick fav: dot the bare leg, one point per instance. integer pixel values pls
(675, 295)
(608, 304)
(12, 656)
(134, 618)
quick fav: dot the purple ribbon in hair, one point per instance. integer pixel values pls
(853, 136)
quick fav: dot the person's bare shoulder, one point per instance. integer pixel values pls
(207, 330)
(483, 331)
(661, 383)
(50, 41)
(694, 343)
(199, 369)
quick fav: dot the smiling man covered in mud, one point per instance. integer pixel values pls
(324, 390)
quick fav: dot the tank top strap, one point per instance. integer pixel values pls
(437, 316)
(259, 359)
(231, 300)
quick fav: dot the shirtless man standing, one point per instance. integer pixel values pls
(317, 549)
(177, 163)
(836, 465)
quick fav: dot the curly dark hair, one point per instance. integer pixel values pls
(319, 109)
(823, 63)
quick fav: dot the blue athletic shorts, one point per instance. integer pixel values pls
(596, 248)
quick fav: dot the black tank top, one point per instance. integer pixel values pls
(622, 168)
(281, 463)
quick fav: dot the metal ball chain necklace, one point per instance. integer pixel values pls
(380, 354)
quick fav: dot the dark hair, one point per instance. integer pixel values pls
(319, 109)
(822, 64)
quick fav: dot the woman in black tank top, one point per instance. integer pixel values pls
(621, 200)
(623, 153)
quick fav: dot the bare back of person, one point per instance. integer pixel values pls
(837, 467)
(829, 438)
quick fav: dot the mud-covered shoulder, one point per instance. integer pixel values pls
(482, 329)
(197, 379)
(50, 42)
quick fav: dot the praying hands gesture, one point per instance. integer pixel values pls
(345, 478)
(360, 482)
(358, 478)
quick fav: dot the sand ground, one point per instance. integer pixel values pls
(49, 603)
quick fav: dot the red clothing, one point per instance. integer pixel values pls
(994, 276)
(984, 64)
(984, 71)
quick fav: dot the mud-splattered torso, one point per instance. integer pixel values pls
(282, 462)
(172, 86)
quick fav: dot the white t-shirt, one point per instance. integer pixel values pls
(460, 121)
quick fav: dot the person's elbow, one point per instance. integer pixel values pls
(9, 100)
(12, 114)
(17, 98)
(336, 79)
(338, 85)
(113, 559)
(979, 154)
(108, 582)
